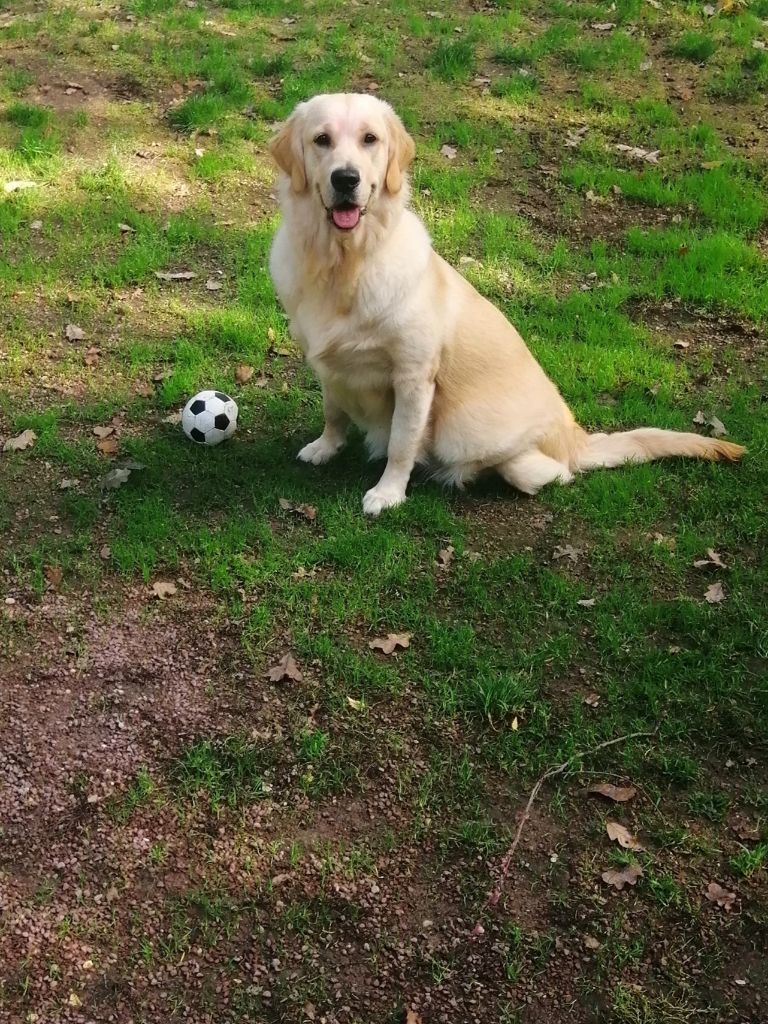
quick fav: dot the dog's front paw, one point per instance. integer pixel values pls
(379, 498)
(319, 451)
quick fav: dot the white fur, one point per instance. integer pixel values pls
(402, 344)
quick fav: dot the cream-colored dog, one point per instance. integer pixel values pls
(402, 344)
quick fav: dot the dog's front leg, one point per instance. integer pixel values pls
(333, 437)
(413, 401)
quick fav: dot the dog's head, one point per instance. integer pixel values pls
(347, 151)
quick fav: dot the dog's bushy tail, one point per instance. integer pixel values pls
(648, 443)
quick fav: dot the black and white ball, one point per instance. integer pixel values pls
(210, 417)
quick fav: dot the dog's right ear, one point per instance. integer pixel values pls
(287, 151)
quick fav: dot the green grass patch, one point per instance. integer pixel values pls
(227, 772)
(695, 46)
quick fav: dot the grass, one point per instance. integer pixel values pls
(226, 772)
(280, 813)
(695, 46)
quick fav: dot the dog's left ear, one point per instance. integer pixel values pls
(402, 150)
(287, 150)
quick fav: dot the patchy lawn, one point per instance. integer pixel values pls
(187, 836)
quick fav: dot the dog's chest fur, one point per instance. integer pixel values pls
(348, 326)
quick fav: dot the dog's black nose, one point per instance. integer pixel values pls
(345, 179)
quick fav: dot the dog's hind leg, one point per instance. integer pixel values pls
(533, 470)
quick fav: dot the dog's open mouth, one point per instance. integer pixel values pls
(346, 216)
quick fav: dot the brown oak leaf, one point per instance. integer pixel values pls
(391, 642)
(622, 836)
(628, 875)
(715, 893)
(24, 440)
(108, 445)
(619, 794)
(286, 670)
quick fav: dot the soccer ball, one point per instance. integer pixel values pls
(209, 418)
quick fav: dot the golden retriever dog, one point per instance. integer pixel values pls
(402, 344)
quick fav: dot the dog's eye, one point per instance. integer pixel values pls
(369, 138)
(322, 139)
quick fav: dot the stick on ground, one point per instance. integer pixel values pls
(495, 894)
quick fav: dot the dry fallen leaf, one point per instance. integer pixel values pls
(684, 92)
(108, 445)
(592, 700)
(603, 26)
(390, 643)
(74, 333)
(22, 441)
(590, 942)
(650, 156)
(628, 875)
(445, 556)
(575, 136)
(173, 418)
(243, 373)
(74, 999)
(103, 431)
(54, 574)
(718, 427)
(126, 229)
(36, 225)
(567, 551)
(66, 485)
(682, 344)
(714, 593)
(179, 275)
(411, 1017)
(115, 478)
(308, 511)
(619, 794)
(715, 893)
(586, 602)
(449, 152)
(357, 705)
(213, 285)
(713, 558)
(92, 356)
(285, 670)
(163, 589)
(105, 551)
(618, 833)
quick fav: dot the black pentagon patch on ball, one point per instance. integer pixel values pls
(197, 435)
(197, 406)
(221, 395)
(221, 421)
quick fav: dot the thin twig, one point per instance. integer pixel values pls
(506, 863)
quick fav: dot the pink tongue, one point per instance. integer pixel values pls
(346, 218)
